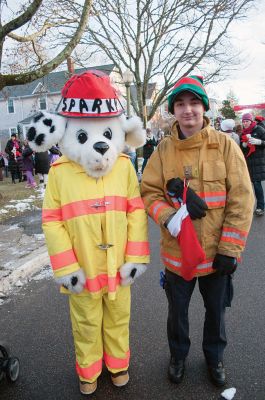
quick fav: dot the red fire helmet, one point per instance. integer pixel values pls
(89, 95)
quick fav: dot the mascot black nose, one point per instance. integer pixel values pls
(101, 147)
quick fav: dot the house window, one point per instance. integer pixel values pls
(13, 130)
(10, 106)
(42, 103)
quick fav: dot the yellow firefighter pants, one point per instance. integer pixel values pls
(101, 332)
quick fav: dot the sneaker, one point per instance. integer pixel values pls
(120, 379)
(87, 387)
(259, 212)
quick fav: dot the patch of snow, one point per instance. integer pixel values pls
(44, 274)
(8, 264)
(19, 283)
(12, 227)
(22, 205)
(19, 206)
(228, 394)
(39, 236)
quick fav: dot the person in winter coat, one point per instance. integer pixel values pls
(148, 147)
(54, 154)
(28, 165)
(227, 126)
(260, 121)
(196, 187)
(14, 151)
(253, 146)
(94, 220)
(6, 164)
(42, 166)
(2, 166)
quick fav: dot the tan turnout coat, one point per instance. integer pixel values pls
(217, 171)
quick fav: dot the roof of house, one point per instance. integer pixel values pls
(51, 83)
(150, 90)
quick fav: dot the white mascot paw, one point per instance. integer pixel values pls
(130, 271)
(74, 282)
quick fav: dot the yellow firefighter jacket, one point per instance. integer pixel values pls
(96, 224)
(215, 167)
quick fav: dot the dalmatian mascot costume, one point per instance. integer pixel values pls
(94, 220)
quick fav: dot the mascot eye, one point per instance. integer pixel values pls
(81, 136)
(108, 134)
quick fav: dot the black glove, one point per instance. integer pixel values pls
(224, 265)
(195, 205)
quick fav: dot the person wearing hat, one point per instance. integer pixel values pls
(253, 147)
(200, 175)
(148, 147)
(94, 220)
(227, 126)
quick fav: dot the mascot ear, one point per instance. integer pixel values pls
(135, 135)
(45, 131)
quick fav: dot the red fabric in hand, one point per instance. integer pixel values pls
(192, 253)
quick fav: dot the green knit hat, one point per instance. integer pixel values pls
(192, 84)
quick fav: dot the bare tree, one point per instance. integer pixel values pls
(162, 40)
(31, 43)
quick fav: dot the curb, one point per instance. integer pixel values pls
(28, 267)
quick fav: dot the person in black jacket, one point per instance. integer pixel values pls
(14, 151)
(42, 166)
(253, 146)
(2, 165)
(148, 147)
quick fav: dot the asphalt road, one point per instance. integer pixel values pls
(35, 324)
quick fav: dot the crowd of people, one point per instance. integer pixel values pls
(24, 165)
(250, 136)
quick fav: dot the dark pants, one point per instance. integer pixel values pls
(259, 194)
(144, 163)
(217, 293)
(16, 174)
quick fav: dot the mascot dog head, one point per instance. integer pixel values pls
(89, 127)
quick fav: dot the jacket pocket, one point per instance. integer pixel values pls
(214, 178)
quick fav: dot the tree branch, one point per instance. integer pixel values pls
(19, 79)
(21, 20)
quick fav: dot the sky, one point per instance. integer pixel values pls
(248, 82)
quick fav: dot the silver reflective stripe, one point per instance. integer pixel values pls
(205, 265)
(102, 204)
(234, 235)
(214, 199)
(157, 207)
(104, 246)
(172, 262)
(178, 264)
